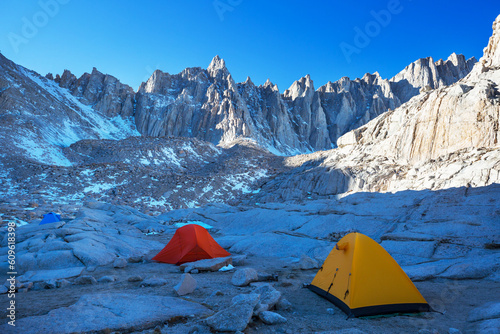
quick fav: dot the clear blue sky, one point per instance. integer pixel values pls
(280, 40)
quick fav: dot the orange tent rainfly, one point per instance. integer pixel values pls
(190, 243)
(362, 279)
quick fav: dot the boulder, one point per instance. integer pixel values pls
(490, 326)
(120, 263)
(186, 285)
(27, 262)
(91, 252)
(271, 318)
(86, 279)
(57, 259)
(62, 283)
(44, 275)
(236, 317)
(243, 277)
(248, 298)
(109, 312)
(269, 297)
(490, 310)
(306, 263)
(107, 279)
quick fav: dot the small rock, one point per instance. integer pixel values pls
(154, 281)
(86, 279)
(186, 285)
(120, 263)
(136, 278)
(452, 330)
(271, 318)
(107, 279)
(330, 311)
(62, 283)
(306, 263)
(286, 284)
(284, 304)
(3, 289)
(195, 271)
(243, 277)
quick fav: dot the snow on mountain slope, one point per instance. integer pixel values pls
(40, 118)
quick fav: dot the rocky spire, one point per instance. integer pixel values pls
(300, 88)
(491, 53)
(217, 65)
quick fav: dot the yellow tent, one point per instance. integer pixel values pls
(362, 279)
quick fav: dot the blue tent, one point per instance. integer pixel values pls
(50, 217)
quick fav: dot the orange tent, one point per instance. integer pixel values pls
(190, 243)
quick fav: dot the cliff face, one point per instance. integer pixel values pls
(447, 137)
(103, 92)
(425, 74)
(207, 103)
(38, 118)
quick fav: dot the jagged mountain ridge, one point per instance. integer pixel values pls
(209, 105)
(38, 118)
(443, 138)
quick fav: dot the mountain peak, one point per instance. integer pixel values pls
(491, 53)
(217, 64)
(248, 81)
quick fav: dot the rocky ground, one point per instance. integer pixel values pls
(95, 264)
(150, 174)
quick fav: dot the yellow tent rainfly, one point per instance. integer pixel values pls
(362, 279)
